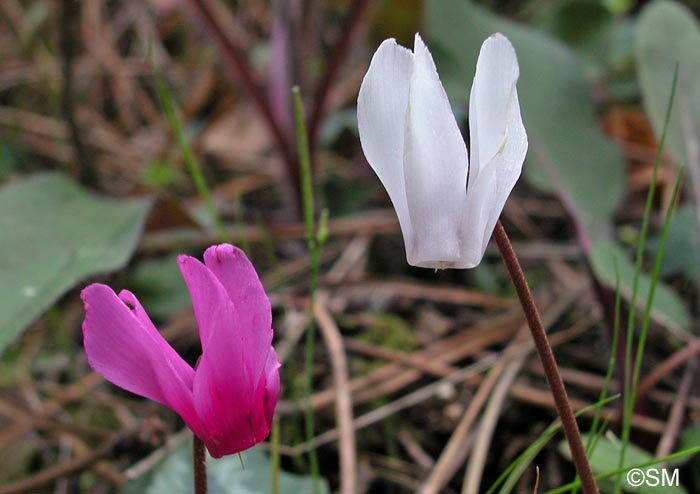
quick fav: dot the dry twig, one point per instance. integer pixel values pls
(338, 360)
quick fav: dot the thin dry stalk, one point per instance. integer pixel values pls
(425, 291)
(415, 450)
(334, 342)
(407, 401)
(450, 459)
(99, 41)
(68, 394)
(352, 256)
(392, 377)
(51, 474)
(543, 398)
(417, 361)
(367, 223)
(477, 461)
(675, 419)
(666, 367)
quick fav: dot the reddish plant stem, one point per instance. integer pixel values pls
(240, 70)
(357, 13)
(199, 464)
(551, 370)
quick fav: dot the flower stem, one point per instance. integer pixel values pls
(544, 351)
(199, 464)
(314, 240)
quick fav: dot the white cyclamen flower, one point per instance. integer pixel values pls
(447, 206)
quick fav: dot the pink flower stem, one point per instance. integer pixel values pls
(551, 370)
(199, 463)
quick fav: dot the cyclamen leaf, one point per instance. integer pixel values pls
(667, 309)
(682, 252)
(54, 234)
(173, 474)
(668, 32)
(607, 453)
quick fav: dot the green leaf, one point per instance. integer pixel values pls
(682, 252)
(159, 286)
(53, 235)
(666, 32)
(690, 437)
(584, 25)
(667, 308)
(9, 159)
(568, 154)
(607, 453)
(618, 6)
(173, 475)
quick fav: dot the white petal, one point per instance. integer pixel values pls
(491, 96)
(435, 165)
(498, 142)
(381, 116)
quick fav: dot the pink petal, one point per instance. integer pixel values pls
(265, 399)
(241, 282)
(123, 345)
(223, 389)
(272, 387)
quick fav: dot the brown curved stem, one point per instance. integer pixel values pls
(551, 370)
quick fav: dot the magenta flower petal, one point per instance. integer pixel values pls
(238, 277)
(230, 399)
(272, 384)
(122, 344)
(224, 384)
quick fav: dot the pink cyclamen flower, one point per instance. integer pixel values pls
(229, 400)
